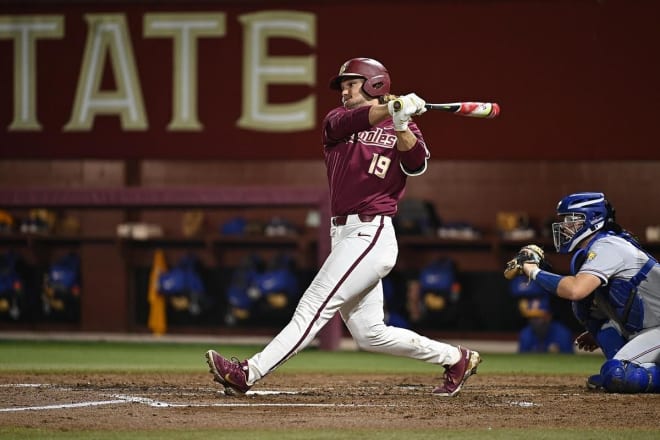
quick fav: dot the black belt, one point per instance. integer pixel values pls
(340, 220)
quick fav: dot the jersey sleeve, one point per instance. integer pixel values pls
(603, 260)
(414, 161)
(340, 124)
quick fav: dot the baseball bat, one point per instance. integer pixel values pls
(485, 110)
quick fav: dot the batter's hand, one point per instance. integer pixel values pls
(400, 121)
(586, 342)
(417, 102)
(408, 105)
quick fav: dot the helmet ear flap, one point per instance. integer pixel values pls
(373, 86)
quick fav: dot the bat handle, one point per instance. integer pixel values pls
(398, 106)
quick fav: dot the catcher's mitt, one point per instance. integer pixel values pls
(527, 254)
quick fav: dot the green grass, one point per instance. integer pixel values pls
(54, 357)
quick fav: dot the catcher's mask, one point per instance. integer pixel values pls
(376, 76)
(582, 215)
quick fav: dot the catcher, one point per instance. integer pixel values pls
(614, 289)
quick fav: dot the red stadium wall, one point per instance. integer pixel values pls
(576, 81)
(248, 80)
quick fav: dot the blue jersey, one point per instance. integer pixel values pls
(558, 339)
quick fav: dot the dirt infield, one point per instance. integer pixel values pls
(285, 401)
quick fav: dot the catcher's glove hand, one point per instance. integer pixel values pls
(586, 342)
(527, 254)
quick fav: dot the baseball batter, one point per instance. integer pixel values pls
(615, 290)
(371, 147)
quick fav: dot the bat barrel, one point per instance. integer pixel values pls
(470, 109)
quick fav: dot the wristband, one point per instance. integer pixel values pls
(547, 280)
(534, 273)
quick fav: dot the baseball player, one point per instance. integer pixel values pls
(614, 289)
(371, 146)
(542, 334)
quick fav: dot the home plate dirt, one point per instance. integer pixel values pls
(310, 401)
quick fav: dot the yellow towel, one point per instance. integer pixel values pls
(157, 321)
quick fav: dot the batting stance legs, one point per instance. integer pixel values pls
(349, 282)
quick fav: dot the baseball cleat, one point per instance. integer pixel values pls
(232, 374)
(456, 375)
(595, 382)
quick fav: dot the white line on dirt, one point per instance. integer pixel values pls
(119, 399)
(160, 404)
(523, 404)
(63, 406)
(269, 392)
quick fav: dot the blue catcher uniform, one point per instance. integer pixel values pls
(623, 312)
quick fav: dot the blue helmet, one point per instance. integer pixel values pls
(583, 214)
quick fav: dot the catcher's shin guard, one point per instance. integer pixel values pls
(628, 377)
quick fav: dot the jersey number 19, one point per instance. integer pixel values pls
(379, 165)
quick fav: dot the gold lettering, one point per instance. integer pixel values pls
(185, 29)
(25, 30)
(108, 38)
(261, 70)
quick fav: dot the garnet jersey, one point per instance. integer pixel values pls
(366, 173)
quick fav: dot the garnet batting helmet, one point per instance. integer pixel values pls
(377, 79)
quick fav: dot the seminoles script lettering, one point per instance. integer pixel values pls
(378, 138)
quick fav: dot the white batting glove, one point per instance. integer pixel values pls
(409, 104)
(417, 102)
(400, 121)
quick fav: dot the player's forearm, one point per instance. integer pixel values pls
(405, 140)
(378, 113)
(341, 123)
(569, 287)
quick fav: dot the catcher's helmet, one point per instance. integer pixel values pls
(584, 213)
(377, 79)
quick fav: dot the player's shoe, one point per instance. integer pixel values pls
(595, 382)
(232, 374)
(456, 375)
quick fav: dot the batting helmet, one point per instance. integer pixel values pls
(377, 79)
(584, 213)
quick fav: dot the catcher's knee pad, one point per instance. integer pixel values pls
(627, 377)
(613, 373)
